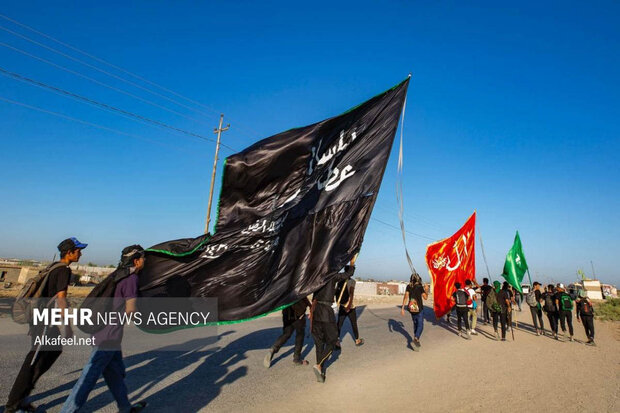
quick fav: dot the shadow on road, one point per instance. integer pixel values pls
(211, 369)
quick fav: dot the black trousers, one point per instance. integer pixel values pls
(503, 318)
(553, 321)
(495, 317)
(461, 314)
(588, 325)
(537, 317)
(299, 327)
(325, 335)
(566, 317)
(343, 314)
(486, 311)
(29, 374)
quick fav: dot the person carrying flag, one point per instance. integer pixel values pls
(106, 358)
(323, 321)
(294, 320)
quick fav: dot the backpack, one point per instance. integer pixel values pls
(29, 296)
(530, 299)
(549, 306)
(492, 303)
(586, 307)
(566, 302)
(461, 298)
(100, 300)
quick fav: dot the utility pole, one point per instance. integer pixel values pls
(593, 274)
(217, 131)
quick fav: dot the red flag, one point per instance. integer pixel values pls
(449, 261)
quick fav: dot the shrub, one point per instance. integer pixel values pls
(609, 310)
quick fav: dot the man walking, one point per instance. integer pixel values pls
(39, 360)
(564, 304)
(495, 308)
(345, 292)
(293, 319)
(549, 306)
(585, 312)
(533, 300)
(505, 301)
(106, 358)
(472, 316)
(461, 297)
(485, 289)
(323, 321)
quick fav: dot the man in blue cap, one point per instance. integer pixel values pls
(39, 360)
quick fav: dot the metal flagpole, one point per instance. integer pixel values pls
(484, 255)
(485, 263)
(218, 131)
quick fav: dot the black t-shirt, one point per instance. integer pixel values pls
(544, 304)
(295, 311)
(538, 295)
(325, 296)
(484, 291)
(415, 293)
(57, 281)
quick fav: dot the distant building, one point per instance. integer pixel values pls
(9, 273)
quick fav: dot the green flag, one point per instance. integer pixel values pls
(515, 266)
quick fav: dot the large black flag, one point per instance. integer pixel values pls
(293, 211)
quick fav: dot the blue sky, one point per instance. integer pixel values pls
(512, 111)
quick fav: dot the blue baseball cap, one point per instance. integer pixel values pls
(71, 244)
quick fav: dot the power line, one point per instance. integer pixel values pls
(98, 59)
(398, 229)
(16, 49)
(98, 69)
(84, 122)
(106, 62)
(103, 105)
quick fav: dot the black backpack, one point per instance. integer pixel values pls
(549, 303)
(585, 307)
(100, 299)
(461, 298)
(30, 295)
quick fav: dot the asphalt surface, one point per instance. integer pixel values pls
(222, 371)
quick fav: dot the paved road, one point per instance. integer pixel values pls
(225, 373)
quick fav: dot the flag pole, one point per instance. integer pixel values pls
(485, 263)
(530, 278)
(218, 131)
(484, 255)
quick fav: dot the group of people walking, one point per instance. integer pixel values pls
(324, 327)
(106, 358)
(499, 299)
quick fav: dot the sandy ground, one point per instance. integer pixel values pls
(225, 373)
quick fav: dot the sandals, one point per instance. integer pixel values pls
(301, 362)
(359, 342)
